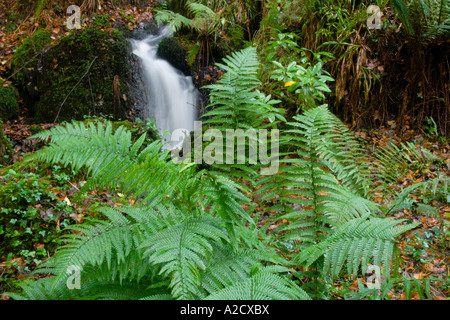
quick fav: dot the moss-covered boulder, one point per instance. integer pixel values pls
(30, 47)
(6, 151)
(24, 63)
(86, 73)
(8, 103)
(172, 51)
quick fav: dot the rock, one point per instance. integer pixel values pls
(173, 52)
(62, 76)
(8, 103)
(24, 64)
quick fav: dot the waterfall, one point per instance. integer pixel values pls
(172, 96)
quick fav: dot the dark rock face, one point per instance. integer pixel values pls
(138, 89)
(8, 103)
(173, 52)
(24, 64)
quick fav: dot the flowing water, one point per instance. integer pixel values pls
(173, 98)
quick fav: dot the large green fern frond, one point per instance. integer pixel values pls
(304, 181)
(235, 101)
(114, 243)
(176, 21)
(261, 286)
(357, 242)
(183, 251)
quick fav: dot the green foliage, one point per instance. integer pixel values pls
(235, 100)
(189, 236)
(30, 47)
(428, 19)
(309, 83)
(8, 103)
(355, 243)
(100, 20)
(29, 214)
(322, 192)
(394, 162)
(303, 80)
(404, 15)
(210, 22)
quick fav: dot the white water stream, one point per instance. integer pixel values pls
(173, 97)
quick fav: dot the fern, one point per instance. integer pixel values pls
(356, 242)
(175, 20)
(235, 101)
(394, 161)
(322, 191)
(261, 286)
(404, 14)
(183, 250)
(304, 181)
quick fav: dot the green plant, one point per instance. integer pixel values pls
(308, 82)
(29, 213)
(6, 151)
(431, 128)
(100, 20)
(205, 22)
(8, 103)
(150, 232)
(235, 100)
(427, 19)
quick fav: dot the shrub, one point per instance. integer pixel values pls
(29, 214)
(26, 55)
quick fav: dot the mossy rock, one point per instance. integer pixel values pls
(6, 151)
(30, 47)
(173, 52)
(26, 59)
(8, 103)
(64, 65)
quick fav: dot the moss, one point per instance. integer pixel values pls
(172, 51)
(65, 64)
(25, 79)
(29, 48)
(6, 151)
(8, 103)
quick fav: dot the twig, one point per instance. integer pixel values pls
(92, 96)
(92, 62)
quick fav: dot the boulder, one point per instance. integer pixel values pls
(86, 73)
